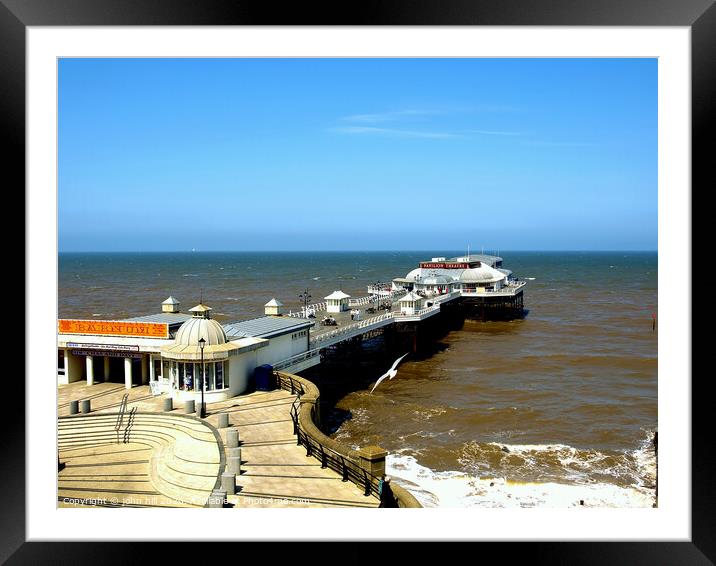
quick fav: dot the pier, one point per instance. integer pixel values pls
(162, 350)
(389, 314)
(164, 386)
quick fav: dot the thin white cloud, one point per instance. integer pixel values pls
(559, 144)
(496, 108)
(393, 115)
(386, 116)
(367, 130)
(495, 133)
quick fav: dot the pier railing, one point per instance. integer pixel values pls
(344, 330)
(303, 313)
(362, 301)
(357, 466)
(383, 294)
(317, 307)
(436, 301)
(509, 289)
(353, 302)
(380, 289)
(294, 360)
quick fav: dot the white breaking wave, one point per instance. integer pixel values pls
(460, 489)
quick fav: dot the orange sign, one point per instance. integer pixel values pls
(114, 328)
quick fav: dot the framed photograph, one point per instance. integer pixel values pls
(490, 202)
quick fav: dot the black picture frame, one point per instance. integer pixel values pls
(699, 15)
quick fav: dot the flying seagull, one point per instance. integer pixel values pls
(391, 373)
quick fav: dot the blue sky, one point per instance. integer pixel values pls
(357, 154)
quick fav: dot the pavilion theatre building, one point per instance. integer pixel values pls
(168, 350)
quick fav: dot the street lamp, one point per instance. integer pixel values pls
(305, 297)
(202, 410)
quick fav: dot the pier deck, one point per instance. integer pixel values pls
(343, 320)
(325, 336)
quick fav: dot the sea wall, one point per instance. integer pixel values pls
(363, 467)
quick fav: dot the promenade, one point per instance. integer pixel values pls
(275, 471)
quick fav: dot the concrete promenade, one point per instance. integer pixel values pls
(275, 472)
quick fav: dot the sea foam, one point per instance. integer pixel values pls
(461, 489)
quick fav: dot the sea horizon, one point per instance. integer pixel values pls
(357, 250)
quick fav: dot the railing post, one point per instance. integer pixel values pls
(345, 469)
(324, 458)
(366, 479)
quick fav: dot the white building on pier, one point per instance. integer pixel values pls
(164, 350)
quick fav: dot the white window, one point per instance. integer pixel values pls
(220, 376)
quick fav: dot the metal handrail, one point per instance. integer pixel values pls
(120, 415)
(345, 329)
(349, 469)
(130, 422)
(296, 359)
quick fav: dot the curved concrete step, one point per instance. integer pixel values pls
(185, 455)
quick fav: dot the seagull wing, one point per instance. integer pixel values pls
(396, 362)
(381, 378)
(391, 373)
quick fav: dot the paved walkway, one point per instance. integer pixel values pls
(275, 471)
(109, 476)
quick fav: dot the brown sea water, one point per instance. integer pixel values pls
(548, 410)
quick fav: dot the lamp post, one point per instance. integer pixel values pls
(305, 297)
(202, 410)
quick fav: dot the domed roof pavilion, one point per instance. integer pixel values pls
(186, 342)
